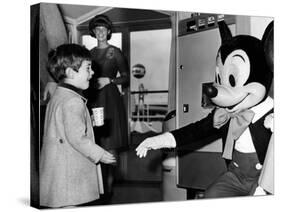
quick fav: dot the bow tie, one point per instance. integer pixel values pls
(239, 122)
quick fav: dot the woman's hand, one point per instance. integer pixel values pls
(103, 81)
(93, 120)
(108, 158)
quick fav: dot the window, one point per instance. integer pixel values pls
(150, 48)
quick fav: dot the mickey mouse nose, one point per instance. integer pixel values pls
(210, 90)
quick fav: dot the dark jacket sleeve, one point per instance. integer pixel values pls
(197, 135)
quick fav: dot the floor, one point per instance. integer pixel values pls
(136, 192)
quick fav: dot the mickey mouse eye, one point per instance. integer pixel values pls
(232, 80)
(236, 69)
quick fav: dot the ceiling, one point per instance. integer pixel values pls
(75, 11)
(81, 14)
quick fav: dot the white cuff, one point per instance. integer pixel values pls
(169, 140)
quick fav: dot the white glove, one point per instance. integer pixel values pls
(259, 191)
(268, 122)
(165, 140)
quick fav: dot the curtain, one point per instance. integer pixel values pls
(52, 33)
(53, 25)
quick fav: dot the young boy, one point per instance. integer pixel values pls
(69, 174)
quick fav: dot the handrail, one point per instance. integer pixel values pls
(154, 91)
(148, 116)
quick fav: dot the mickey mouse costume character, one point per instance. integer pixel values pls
(240, 93)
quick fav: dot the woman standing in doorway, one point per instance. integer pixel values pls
(107, 62)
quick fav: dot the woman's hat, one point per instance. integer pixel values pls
(100, 20)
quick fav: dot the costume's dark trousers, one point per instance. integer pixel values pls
(241, 178)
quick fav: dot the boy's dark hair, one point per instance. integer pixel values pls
(100, 20)
(66, 56)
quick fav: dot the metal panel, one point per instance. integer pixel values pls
(197, 57)
(196, 65)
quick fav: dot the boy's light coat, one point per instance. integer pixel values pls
(68, 171)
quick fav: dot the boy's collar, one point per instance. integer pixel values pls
(73, 88)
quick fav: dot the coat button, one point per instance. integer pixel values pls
(61, 141)
(258, 166)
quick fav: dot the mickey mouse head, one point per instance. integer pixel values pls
(242, 76)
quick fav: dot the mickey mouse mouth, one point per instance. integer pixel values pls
(232, 106)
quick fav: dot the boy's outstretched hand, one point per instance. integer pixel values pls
(107, 158)
(165, 140)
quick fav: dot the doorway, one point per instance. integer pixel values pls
(150, 51)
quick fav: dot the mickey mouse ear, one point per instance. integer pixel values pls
(225, 32)
(267, 41)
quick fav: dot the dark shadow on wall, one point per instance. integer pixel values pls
(34, 105)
